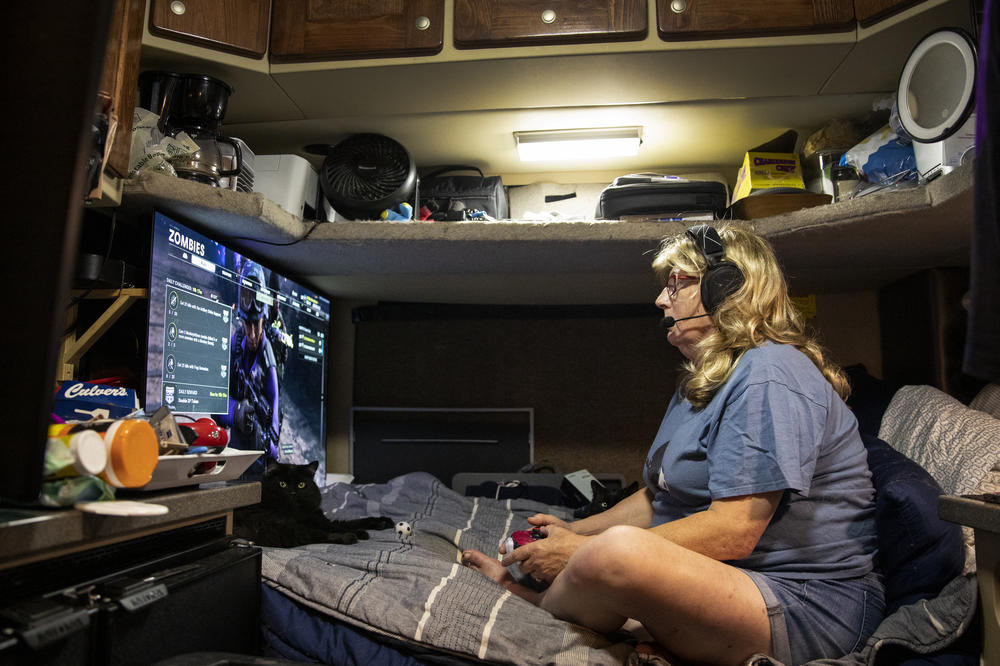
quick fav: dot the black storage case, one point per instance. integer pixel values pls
(170, 593)
(653, 195)
(447, 197)
(212, 603)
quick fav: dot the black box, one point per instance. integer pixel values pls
(134, 602)
(649, 194)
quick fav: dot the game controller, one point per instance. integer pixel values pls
(516, 540)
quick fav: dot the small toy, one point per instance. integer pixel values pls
(403, 529)
(404, 213)
(516, 540)
(206, 432)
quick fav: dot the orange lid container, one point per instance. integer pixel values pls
(132, 453)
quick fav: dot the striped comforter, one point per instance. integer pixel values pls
(414, 588)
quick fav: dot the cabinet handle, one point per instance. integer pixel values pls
(177, 7)
(678, 6)
(423, 23)
(548, 16)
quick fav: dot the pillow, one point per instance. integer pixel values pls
(988, 400)
(918, 552)
(957, 445)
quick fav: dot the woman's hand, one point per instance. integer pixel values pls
(545, 558)
(540, 520)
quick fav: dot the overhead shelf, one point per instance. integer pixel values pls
(849, 246)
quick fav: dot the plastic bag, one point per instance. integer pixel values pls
(69, 491)
(152, 150)
(883, 156)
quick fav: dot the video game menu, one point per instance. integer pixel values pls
(238, 341)
(195, 351)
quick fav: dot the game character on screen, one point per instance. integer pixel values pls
(253, 383)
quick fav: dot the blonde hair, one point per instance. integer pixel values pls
(759, 311)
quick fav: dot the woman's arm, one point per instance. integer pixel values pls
(728, 530)
(636, 510)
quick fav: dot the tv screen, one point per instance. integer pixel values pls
(233, 339)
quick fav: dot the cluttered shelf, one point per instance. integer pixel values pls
(880, 238)
(41, 533)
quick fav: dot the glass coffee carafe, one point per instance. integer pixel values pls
(208, 164)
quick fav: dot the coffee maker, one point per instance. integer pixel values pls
(195, 104)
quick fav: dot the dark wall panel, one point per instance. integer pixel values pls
(598, 384)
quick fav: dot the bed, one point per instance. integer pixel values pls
(407, 600)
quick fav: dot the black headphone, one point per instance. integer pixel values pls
(722, 277)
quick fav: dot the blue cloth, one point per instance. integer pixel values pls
(982, 354)
(318, 638)
(918, 552)
(776, 424)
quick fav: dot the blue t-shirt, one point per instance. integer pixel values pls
(777, 424)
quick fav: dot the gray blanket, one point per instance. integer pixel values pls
(415, 589)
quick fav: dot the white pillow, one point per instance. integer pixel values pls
(988, 400)
(955, 444)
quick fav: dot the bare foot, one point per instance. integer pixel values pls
(492, 569)
(486, 565)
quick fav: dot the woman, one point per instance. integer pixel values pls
(755, 532)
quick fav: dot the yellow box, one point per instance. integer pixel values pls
(765, 170)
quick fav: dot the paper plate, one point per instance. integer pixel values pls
(123, 508)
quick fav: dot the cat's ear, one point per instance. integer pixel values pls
(598, 489)
(271, 466)
(313, 466)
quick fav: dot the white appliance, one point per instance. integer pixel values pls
(935, 101)
(290, 181)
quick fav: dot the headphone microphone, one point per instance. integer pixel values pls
(668, 322)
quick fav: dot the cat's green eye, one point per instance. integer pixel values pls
(282, 484)
(302, 484)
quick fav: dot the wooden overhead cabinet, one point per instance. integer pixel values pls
(492, 23)
(714, 19)
(233, 26)
(304, 30)
(118, 80)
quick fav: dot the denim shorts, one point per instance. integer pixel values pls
(816, 617)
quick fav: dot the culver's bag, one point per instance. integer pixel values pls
(448, 197)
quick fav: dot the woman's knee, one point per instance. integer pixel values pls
(608, 559)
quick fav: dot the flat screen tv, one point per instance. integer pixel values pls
(232, 339)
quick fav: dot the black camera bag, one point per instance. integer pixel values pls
(642, 195)
(447, 197)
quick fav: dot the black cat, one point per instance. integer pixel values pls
(604, 499)
(289, 512)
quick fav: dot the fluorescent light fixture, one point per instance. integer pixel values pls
(578, 143)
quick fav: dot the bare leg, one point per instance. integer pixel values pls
(492, 569)
(698, 608)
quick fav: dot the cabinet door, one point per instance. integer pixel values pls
(711, 19)
(341, 29)
(234, 26)
(119, 78)
(871, 11)
(490, 23)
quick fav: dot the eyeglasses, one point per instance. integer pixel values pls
(677, 281)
